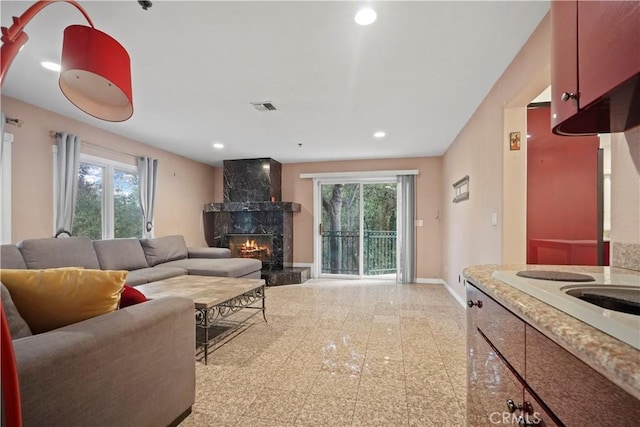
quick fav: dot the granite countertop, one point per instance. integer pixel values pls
(616, 360)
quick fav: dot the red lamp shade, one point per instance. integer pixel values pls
(96, 74)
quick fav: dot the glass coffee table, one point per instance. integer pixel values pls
(216, 300)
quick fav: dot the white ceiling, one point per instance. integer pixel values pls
(417, 73)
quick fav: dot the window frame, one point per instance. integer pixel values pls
(109, 166)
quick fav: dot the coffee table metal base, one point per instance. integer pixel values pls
(216, 300)
(218, 315)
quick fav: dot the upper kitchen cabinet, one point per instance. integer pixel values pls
(595, 66)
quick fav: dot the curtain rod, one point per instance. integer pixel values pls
(14, 122)
(53, 134)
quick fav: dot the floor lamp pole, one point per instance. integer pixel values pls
(10, 384)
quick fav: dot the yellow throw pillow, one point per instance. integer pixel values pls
(56, 297)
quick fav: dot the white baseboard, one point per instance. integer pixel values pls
(458, 298)
(430, 281)
(453, 293)
(303, 264)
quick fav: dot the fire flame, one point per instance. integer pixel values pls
(251, 246)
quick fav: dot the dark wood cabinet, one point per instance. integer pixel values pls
(522, 377)
(497, 392)
(564, 60)
(595, 66)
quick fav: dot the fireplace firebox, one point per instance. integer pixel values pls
(256, 246)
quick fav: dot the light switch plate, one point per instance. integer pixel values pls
(494, 218)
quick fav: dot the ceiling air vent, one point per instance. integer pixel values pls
(263, 106)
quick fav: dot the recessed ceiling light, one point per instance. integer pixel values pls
(218, 145)
(380, 134)
(365, 16)
(51, 66)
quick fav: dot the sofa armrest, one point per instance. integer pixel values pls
(209, 253)
(130, 367)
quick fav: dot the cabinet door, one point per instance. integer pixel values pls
(491, 384)
(608, 46)
(573, 391)
(564, 61)
(504, 330)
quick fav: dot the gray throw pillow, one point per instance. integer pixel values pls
(17, 326)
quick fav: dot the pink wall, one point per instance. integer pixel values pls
(561, 184)
(468, 235)
(183, 185)
(428, 195)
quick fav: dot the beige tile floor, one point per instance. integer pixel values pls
(341, 353)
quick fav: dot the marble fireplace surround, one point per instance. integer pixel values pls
(252, 205)
(275, 218)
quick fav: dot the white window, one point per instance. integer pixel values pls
(108, 203)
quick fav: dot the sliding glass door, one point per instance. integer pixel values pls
(340, 229)
(380, 229)
(357, 228)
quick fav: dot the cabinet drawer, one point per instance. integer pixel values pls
(573, 391)
(503, 329)
(491, 385)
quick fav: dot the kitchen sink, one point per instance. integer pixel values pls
(624, 299)
(611, 303)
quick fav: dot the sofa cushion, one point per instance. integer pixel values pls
(225, 267)
(209, 253)
(163, 249)
(52, 298)
(151, 274)
(17, 326)
(55, 253)
(120, 254)
(131, 296)
(10, 257)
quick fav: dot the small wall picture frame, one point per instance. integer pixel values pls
(461, 188)
(514, 141)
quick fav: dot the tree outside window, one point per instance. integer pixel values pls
(88, 216)
(126, 205)
(107, 204)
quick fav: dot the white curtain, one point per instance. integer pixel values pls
(2, 122)
(5, 185)
(407, 238)
(147, 175)
(67, 182)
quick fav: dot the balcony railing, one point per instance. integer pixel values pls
(340, 250)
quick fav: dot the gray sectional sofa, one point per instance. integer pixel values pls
(130, 367)
(147, 260)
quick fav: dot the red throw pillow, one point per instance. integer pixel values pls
(131, 296)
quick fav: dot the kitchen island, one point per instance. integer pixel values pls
(538, 352)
